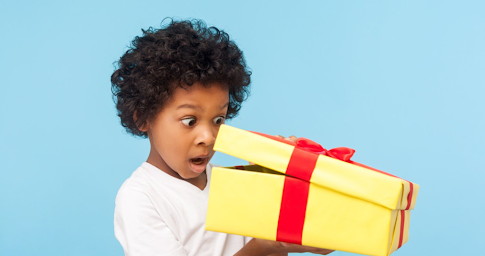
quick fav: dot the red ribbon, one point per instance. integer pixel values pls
(295, 189)
(296, 186)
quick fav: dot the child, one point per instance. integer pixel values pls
(177, 85)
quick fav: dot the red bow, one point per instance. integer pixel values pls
(341, 153)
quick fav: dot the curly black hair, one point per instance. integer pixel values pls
(179, 54)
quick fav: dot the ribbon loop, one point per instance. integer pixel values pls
(341, 153)
(309, 145)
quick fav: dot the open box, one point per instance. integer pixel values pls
(300, 193)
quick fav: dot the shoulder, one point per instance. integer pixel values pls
(143, 198)
(148, 191)
(142, 222)
(135, 186)
(133, 194)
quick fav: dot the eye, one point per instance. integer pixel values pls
(189, 121)
(218, 120)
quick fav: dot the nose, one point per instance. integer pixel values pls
(206, 135)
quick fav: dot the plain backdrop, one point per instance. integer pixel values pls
(402, 82)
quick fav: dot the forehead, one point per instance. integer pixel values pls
(201, 95)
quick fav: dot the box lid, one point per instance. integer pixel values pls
(308, 161)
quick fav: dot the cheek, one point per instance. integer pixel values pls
(173, 155)
(175, 147)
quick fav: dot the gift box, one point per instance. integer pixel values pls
(301, 193)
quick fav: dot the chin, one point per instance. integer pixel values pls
(191, 175)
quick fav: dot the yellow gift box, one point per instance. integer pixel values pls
(301, 193)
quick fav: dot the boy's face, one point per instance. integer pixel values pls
(183, 133)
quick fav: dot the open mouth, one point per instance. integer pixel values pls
(198, 160)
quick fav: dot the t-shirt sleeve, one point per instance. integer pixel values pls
(140, 229)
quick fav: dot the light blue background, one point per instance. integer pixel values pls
(402, 82)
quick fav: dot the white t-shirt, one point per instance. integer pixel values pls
(157, 214)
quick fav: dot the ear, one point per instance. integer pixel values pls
(142, 127)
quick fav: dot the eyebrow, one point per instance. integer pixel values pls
(187, 106)
(197, 107)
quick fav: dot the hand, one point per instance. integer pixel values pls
(291, 138)
(261, 247)
(303, 248)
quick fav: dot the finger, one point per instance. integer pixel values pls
(324, 251)
(293, 138)
(279, 136)
(304, 248)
